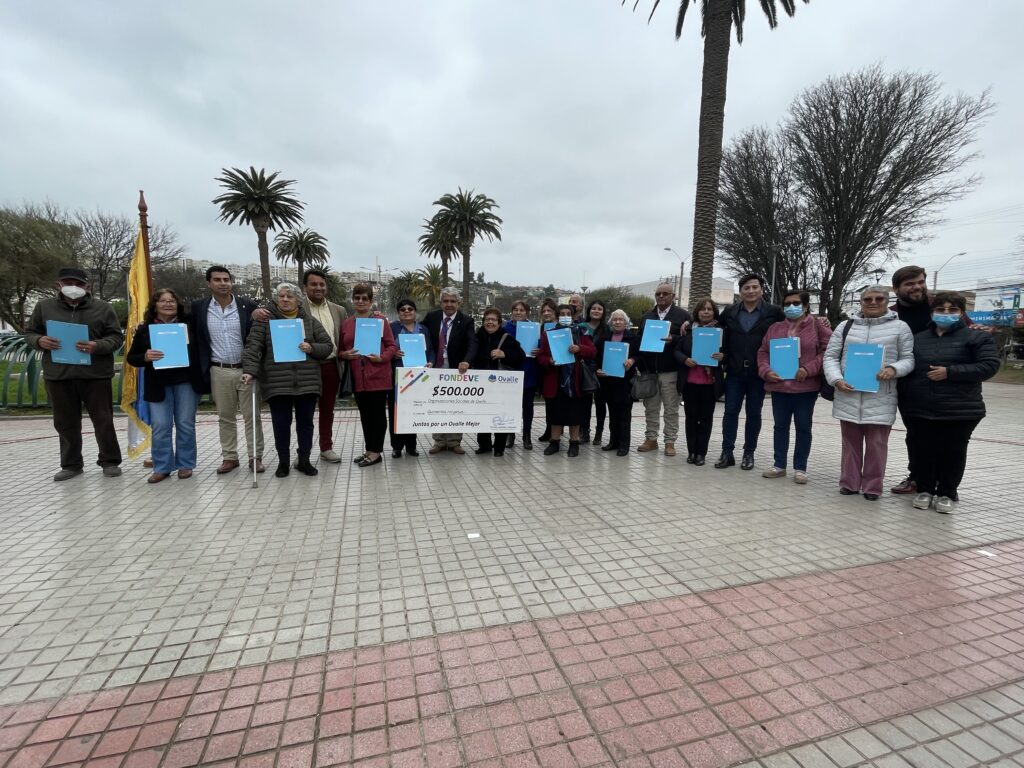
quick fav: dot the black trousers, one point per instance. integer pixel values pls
(398, 442)
(529, 394)
(699, 410)
(939, 453)
(67, 398)
(615, 394)
(600, 409)
(281, 409)
(499, 442)
(373, 415)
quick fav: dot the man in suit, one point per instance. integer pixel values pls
(331, 316)
(455, 341)
(221, 324)
(665, 365)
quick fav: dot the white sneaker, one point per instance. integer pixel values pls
(774, 472)
(922, 501)
(945, 505)
(800, 478)
(330, 456)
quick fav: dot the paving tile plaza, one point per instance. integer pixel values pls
(521, 611)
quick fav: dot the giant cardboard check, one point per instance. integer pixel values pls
(444, 400)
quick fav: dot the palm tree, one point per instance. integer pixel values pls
(438, 242)
(719, 16)
(430, 281)
(464, 217)
(305, 247)
(265, 202)
(405, 285)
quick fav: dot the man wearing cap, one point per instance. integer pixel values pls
(222, 322)
(68, 386)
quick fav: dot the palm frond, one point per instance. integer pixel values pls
(254, 194)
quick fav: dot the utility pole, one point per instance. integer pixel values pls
(935, 277)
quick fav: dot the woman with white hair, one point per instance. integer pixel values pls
(616, 389)
(866, 418)
(288, 386)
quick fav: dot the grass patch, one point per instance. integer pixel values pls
(1011, 372)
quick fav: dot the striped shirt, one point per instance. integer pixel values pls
(225, 328)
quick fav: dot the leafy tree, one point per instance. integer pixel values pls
(635, 306)
(189, 284)
(464, 217)
(264, 202)
(35, 242)
(613, 296)
(438, 242)
(405, 285)
(718, 19)
(308, 249)
(430, 281)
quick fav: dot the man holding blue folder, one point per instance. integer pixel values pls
(88, 382)
(664, 366)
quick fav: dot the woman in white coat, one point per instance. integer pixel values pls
(866, 418)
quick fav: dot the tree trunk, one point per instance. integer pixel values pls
(444, 269)
(467, 299)
(261, 225)
(715, 76)
(299, 264)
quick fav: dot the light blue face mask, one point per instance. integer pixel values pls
(563, 320)
(945, 321)
(794, 313)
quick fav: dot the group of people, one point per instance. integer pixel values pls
(932, 368)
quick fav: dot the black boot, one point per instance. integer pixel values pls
(574, 448)
(585, 437)
(304, 466)
(282, 466)
(527, 442)
(598, 434)
(554, 446)
(748, 461)
(511, 441)
(545, 435)
(698, 460)
(725, 460)
(610, 447)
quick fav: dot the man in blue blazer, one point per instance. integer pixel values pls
(221, 324)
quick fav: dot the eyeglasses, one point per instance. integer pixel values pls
(360, 298)
(792, 303)
(406, 309)
(874, 300)
(663, 293)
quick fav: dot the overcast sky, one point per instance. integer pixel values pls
(576, 116)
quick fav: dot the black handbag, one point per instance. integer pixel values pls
(828, 392)
(644, 385)
(589, 382)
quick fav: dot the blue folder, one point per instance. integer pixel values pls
(286, 335)
(614, 361)
(369, 332)
(414, 345)
(706, 341)
(528, 335)
(560, 340)
(549, 326)
(654, 332)
(172, 340)
(863, 364)
(784, 356)
(68, 334)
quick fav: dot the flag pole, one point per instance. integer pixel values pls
(144, 225)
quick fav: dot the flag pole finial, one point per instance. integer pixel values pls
(144, 228)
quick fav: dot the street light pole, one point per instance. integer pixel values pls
(682, 268)
(935, 277)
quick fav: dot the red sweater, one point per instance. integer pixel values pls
(368, 376)
(549, 381)
(813, 339)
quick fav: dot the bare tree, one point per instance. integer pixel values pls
(876, 157)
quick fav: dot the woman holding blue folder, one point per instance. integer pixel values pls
(496, 349)
(793, 397)
(288, 385)
(699, 384)
(531, 375)
(565, 403)
(406, 324)
(615, 389)
(372, 376)
(170, 392)
(866, 417)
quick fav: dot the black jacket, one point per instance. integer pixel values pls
(202, 329)
(461, 336)
(156, 379)
(664, 361)
(488, 342)
(740, 346)
(970, 358)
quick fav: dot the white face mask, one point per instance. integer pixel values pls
(73, 292)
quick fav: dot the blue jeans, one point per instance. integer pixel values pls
(175, 415)
(748, 386)
(795, 407)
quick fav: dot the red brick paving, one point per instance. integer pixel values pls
(703, 680)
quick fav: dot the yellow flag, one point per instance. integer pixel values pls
(139, 432)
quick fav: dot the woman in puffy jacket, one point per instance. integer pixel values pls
(793, 399)
(942, 401)
(496, 349)
(866, 418)
(372, 377)
(288, 386)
